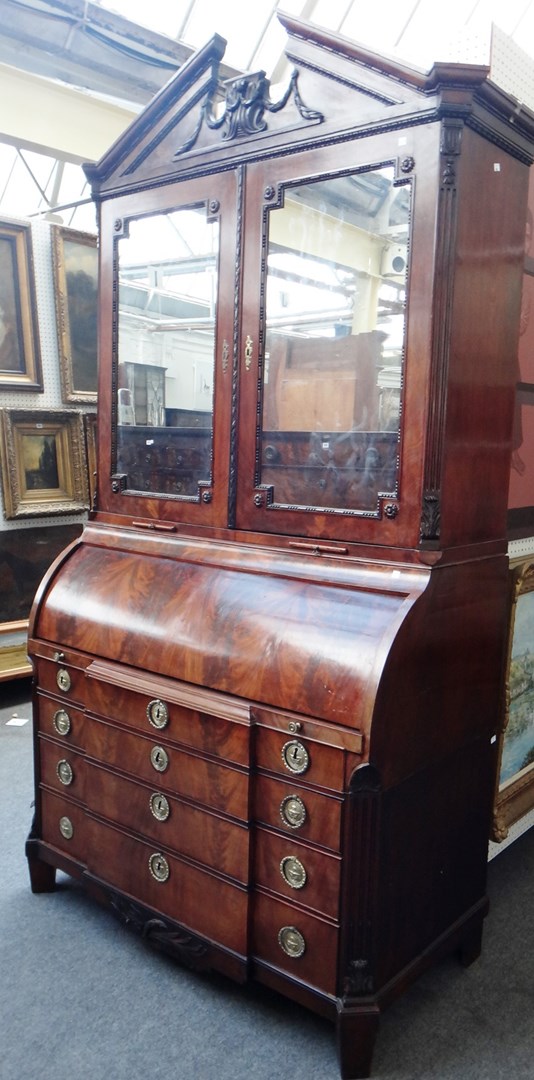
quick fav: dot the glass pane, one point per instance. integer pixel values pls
(166, 350)
(335, 318)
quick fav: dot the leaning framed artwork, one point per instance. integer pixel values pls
(43, 463)
(515, 785)
(75, 261)
(90, 431)
(20, 361)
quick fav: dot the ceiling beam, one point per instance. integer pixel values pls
(56, 119)
(86, 45)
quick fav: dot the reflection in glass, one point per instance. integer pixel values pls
(334, 322)
(166, 349)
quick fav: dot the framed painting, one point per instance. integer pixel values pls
(20, 359)
(44, 467)
(90, 429)
(514, 795)
(25, 555)
(75, 261)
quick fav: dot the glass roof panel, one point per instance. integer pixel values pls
(158, 15)
(416, 31)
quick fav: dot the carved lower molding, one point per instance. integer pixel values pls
(358, 979)
(183, 946)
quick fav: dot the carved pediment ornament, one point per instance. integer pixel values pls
(245, 104)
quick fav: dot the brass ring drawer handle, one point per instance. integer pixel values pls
(61, 722)
(293, 872)
(66, 828)
(65, 772)
(291, 941)
(293, 811)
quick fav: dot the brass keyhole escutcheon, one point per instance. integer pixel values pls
(157, 713)
(159, 806)
(63, 680)
(295, 756)
(158, 866)
(159, 758)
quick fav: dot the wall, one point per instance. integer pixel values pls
(27, 545)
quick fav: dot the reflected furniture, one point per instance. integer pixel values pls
(268, 676)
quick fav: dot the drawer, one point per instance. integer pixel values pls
(61, 720)
(293, 755)
(63, 825)
(149, 714)
(62, 679)
(298, 872)
(275, 922)
(157, 762)
(317, 817)
(195, 833)
(62, 768)
(200, 901)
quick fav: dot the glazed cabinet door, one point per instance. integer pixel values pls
(167, 317)
(327, 252)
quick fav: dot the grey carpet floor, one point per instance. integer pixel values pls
(82, 998)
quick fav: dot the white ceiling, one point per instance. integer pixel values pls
(122, 51)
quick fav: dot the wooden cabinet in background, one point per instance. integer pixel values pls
(268, 675)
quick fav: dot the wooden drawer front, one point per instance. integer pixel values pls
(317, 965)
(322, 813)
(206, 782)
(210, 734)
(204, 903)
(62, 768)
(63, 680)
(198, 834)
(63, 825)
(61, 720)
(321, 765)
(314, 875)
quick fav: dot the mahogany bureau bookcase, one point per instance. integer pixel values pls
(268, 675)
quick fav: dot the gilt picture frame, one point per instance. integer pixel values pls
(90, 431)
(20, 357)
(514, 795)
(44, 467)
(75, 264)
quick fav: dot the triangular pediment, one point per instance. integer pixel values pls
(199, 122)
